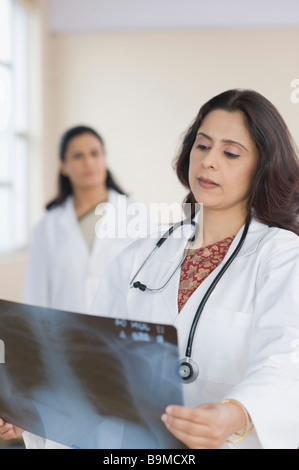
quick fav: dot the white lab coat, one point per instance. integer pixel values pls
(61, 272)
(247, 341)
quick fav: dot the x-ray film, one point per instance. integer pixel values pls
(86, 381)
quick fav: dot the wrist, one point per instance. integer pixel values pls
(239, 418)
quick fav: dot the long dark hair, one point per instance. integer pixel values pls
(274, 193)
(64, 185)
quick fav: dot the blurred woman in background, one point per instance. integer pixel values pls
(66, 257)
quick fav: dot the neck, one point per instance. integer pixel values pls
(86, 199)
(218, 225)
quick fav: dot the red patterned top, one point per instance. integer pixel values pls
(197, 265)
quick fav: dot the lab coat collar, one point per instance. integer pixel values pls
(255, 233)
(68, 218)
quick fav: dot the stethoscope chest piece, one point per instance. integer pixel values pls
(188, 370)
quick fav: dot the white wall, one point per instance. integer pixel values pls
(142, 89)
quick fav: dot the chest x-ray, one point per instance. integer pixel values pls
(87, 381)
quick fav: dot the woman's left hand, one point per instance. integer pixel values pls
(205, 427)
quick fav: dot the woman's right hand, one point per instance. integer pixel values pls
(9, 431)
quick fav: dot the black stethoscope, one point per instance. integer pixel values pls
(188, 369)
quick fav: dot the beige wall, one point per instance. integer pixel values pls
(11, 276)
(141, 90)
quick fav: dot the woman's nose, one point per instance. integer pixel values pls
(88, 160)
(210, 159)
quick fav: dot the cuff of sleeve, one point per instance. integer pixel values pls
(275, 421)
(32, 441)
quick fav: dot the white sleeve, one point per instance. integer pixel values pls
(270, 387)
(32, 441)
(36, 282)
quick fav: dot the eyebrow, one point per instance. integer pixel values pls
(79, 154)
(227, 141)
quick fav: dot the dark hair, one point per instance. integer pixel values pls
(274, 193)
(64, 185)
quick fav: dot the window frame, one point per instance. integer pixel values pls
(29, 135)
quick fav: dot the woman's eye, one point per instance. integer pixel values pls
(231, 155)
(202, 147)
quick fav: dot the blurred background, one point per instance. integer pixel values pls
(137, 71)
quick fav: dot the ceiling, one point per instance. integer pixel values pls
(120, 15)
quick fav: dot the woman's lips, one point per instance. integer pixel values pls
(207, 183)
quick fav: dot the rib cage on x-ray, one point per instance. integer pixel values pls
(87, 381)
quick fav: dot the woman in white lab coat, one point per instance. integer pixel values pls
(238, 160)
(69, 250)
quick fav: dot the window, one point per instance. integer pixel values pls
(14, 125)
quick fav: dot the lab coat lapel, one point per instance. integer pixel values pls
(168, 297)
(108, 217)
(70, 229)
(108, 243)
(184, 320)
(103, 249)
(168, 259)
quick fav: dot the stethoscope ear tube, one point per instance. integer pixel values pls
(143, 287)
(170, 230)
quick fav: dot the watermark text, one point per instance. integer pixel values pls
(295, 353)
(127, 219)
(295, 93)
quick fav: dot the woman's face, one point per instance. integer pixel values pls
(222, 162)
(84, 162)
